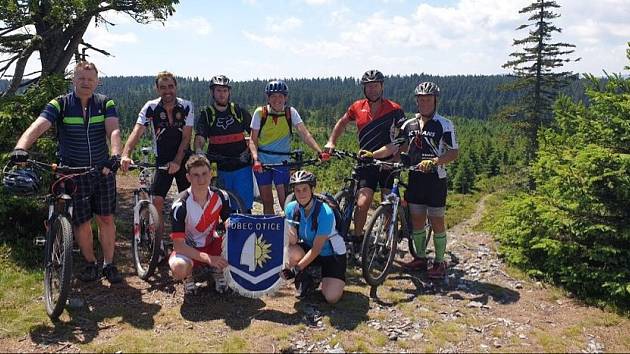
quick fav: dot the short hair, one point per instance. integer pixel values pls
(197, 161)
(85, 65)
(165, 75)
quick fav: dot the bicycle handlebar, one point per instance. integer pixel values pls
(61, 169)
(140, 165)
(291, 164)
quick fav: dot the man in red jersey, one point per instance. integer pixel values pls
(378, 120)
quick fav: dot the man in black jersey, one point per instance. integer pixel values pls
(224, 124)
(171, 119)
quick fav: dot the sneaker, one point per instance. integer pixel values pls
(190, 287)
(416, 264)
(89, 273)
(220, 284)
(111, 273)
(438, 271)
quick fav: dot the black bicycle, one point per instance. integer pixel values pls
(59, 237)
(382, 236)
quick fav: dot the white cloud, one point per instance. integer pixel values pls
(276, 25)
(272, 42)
(197, 25)
(102, 37)
(318, 2)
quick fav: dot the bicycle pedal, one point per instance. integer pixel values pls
(39, 241)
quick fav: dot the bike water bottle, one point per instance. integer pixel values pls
(395, 189)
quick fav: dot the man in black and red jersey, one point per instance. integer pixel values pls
(197, 214)
(224, 124)
(171, 119)
(377, 120)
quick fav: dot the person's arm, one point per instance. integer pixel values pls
(200, 142)
(310, 256)
(33, 132)
(136, 133)
(176, 164)
(113, 135)
(308, 138)
(180, 247)
(449, 156)
(387, 150)
(201, 132)
(339, 128)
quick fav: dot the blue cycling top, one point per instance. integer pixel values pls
(325, 227)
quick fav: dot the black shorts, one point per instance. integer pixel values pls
(162, 182)
(332, 266)
(426, 189)
(373, 176)
(94, 194)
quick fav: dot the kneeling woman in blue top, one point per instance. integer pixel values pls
(314, 242)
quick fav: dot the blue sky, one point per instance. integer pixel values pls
(247, 39)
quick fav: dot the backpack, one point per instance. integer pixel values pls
(211, 114)
(265, 114)
(319, 199)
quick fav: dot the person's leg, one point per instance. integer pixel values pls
(161, 184)
(83, 235)
(296, 253)
(264, 180)
(281, 177)
(435, 211)
(365, 196)
(332, 289)
(107, 236)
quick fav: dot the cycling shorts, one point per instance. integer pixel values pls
(332, 266)
(277, 175)
(373, 177)
(213, 248)
(95, 194)
(239, 182)
(426, 189)
(162, 182)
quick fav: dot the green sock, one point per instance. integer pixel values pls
(439, 242)
(420, 241)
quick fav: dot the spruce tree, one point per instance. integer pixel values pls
(536, 65)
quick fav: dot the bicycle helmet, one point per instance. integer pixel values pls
(427, 88)
(220, 80)
(372, 76)
(21, 181)
(303, 176)
(277, 86)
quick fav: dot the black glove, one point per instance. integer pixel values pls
(404, 158)
(19, 155)
(113, 163)
(290, 273)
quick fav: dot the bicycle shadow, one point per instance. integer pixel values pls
(452, 286)
(100, 304)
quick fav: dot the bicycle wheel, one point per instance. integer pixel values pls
(345, 201)
(379, 246)
(147, 240)
(236, 204)
(57, 266)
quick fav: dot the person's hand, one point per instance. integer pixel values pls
(125, 161)
(404, 159)
(257, 167)
(426, 165)
(329, 148)
(173, 167)
(19, 155)
(290, 273)
(324, 156)
(217, 262)
(366, 155)
(112, 164)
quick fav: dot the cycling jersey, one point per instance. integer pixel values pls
(429, 140)
(376, 129)
(194, 223)
(276, 136)
(82, 141)
(325, 227)
(225, 134)
(167, 135)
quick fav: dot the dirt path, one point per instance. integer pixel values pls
(478, 308)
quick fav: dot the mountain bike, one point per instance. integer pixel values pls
(59, 237)
(382, 236)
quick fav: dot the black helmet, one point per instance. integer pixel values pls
(21, 181)
(276, 86)
(427, 88)
(303, 176)
(372, 76)
(220, 80)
